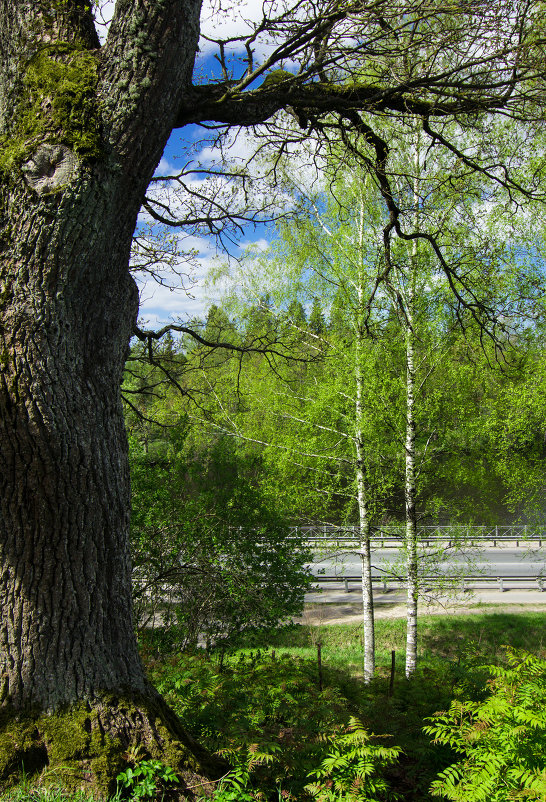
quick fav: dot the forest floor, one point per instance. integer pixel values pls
(280, 713)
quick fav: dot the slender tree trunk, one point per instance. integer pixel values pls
(411, 515)
(363, 512)
(410, 477)
(367, 589)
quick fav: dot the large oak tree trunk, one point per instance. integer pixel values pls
(81, 131)
(68, 307)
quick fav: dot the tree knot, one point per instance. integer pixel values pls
(50, 168)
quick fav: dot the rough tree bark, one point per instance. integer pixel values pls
(81, 131)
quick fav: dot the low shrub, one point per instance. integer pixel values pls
(502, 738)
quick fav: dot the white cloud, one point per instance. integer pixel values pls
(183, 293)
(219, 18)
(191, 295)
(239, 147)
(227, 19)
(163, 304)
(165, 167)
(258, 246)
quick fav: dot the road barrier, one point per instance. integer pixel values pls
(475, 582)
(450, 534)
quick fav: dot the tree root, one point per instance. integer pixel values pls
(87, 745)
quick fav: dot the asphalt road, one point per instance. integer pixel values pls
(508, 561)
(493, 562)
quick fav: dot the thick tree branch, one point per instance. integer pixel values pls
(213, 103)
(149, 336)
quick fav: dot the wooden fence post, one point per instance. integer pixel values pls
(393, 666)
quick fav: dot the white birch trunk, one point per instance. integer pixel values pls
(365, 558)
(363, 514)
(410, 491)
(410, 478)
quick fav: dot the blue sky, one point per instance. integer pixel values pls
(161, 304)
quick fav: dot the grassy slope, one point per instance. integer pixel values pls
(440, 637)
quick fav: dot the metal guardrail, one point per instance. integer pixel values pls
(392, 535)
(463, 583)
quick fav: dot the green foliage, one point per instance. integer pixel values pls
(233, 790)
(353, 769)
(265, 715)
(502, 738)
(265, 712)
(513, 428)
(202, 531)
(144, 780)
(317, 323)
(25, 792)
(479, 421)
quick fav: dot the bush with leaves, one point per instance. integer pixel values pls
(144, 780)
(265, 716)
(208, 553)
(353, 769)
(502, 739)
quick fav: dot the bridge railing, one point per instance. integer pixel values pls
(393, 534)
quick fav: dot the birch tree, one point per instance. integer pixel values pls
(500, 284)
(336, 254)
(334, 420)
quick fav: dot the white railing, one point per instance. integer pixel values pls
(468, 582)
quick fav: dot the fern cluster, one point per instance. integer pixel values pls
(353, 769)
(501, 740)
(287, 739)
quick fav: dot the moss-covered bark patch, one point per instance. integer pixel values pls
(87, 745)
(67, 746)
(58, 105)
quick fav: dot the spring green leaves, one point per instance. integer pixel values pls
(501, 740)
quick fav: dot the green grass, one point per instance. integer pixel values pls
(27, 793)
(244, 701)
(449, 637)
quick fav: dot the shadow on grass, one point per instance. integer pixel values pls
(449, 637)
(483, 634)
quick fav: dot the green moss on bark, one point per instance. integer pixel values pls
(86, 745)
(66, 747)
(276, 77)
(58, 105)
(62, 5)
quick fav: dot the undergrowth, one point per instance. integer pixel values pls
(293, 733)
